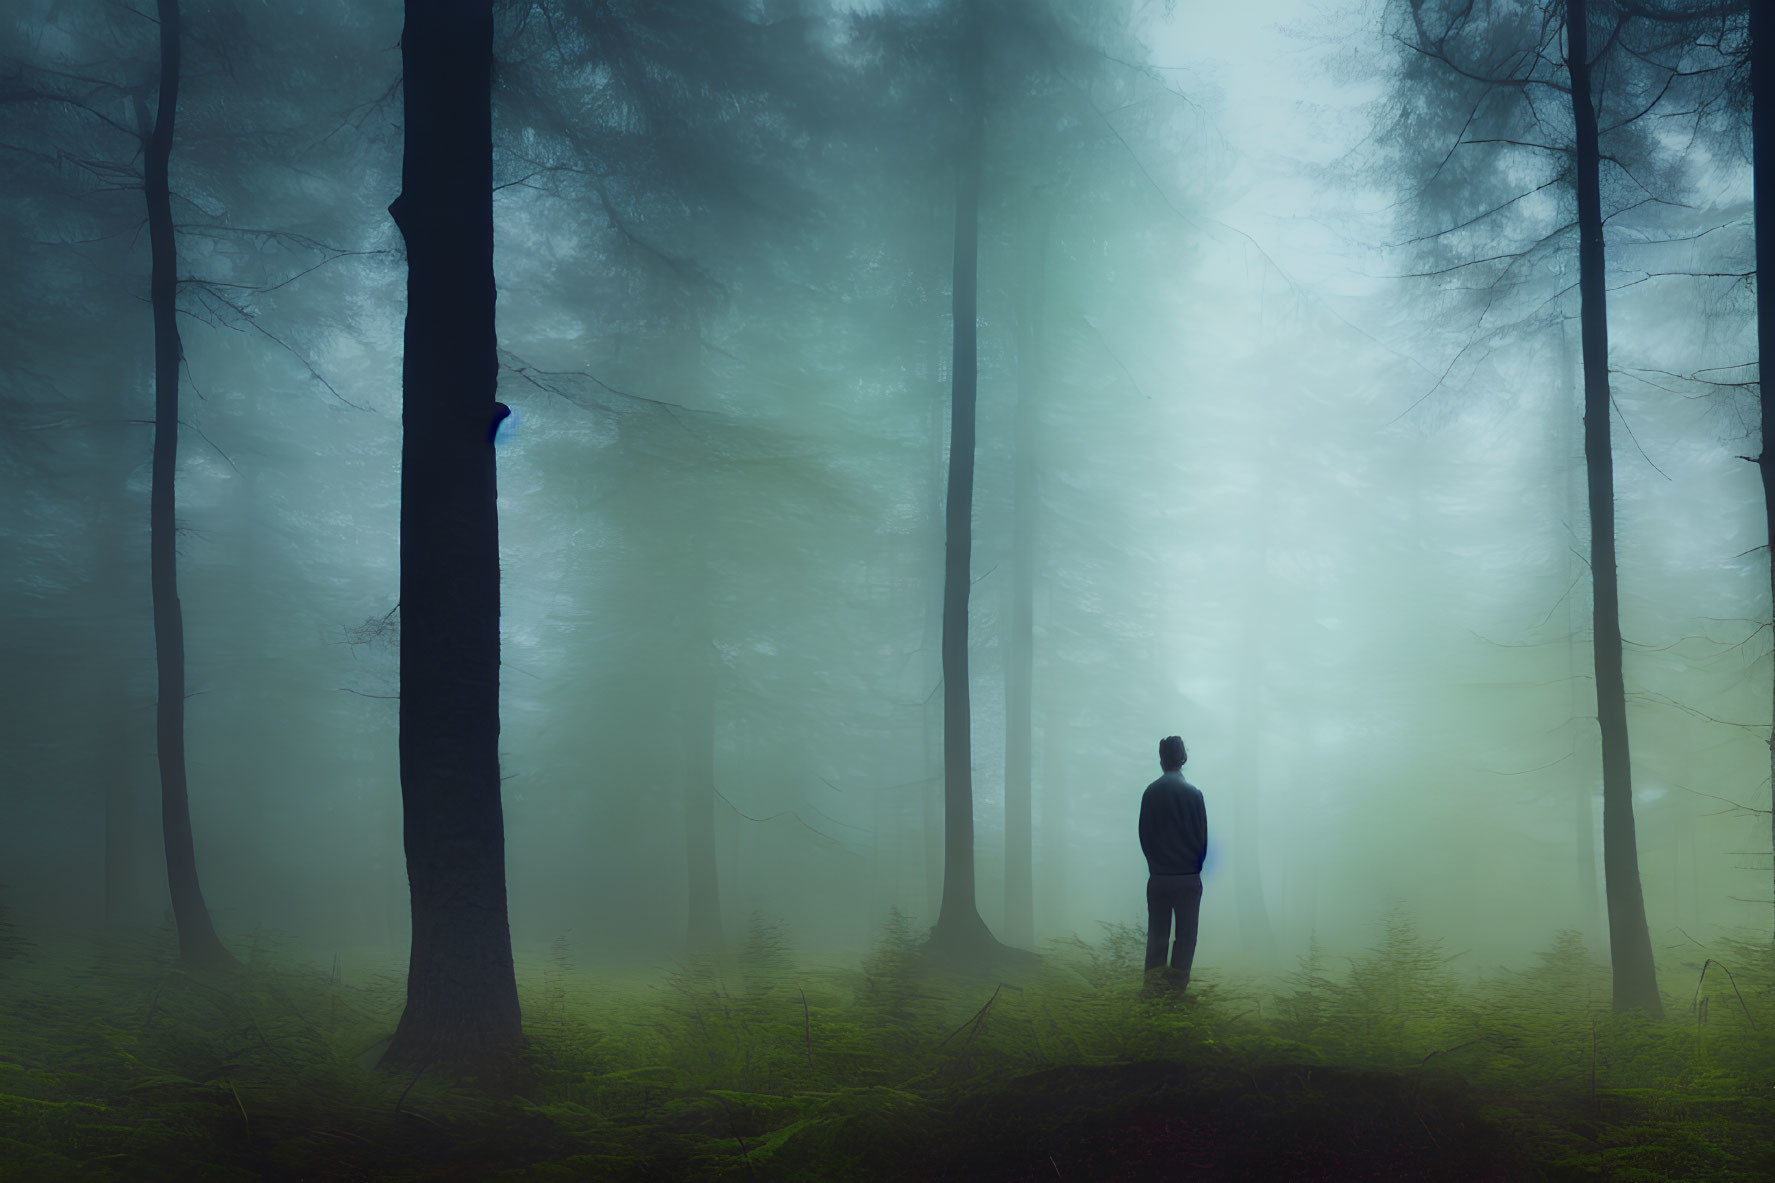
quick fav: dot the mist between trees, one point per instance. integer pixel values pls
(1280, 445)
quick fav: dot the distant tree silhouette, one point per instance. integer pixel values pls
(1630, 944)
(198, 943)
(959, 927)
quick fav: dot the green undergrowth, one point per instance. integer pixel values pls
(116, 1064)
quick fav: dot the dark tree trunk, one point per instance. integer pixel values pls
(1584, 818)
(198, 943)
(930, 798)
(959, 928)
(1020, 643)
(1762, 108)
(930, 794)
(1630, 945)
(462, 999)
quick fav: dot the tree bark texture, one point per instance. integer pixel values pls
(930, 794)
(1762, 110)
(959, 926)
(1630, 945)
(198, 943)
(1584, 783)
(1020, 641)
(462, 1000)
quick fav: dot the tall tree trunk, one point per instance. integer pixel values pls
(1630, 944)
(198, 943)
(930, 799)
(462, 999)
(1762, 110)
(930, 794)
(1020, 643)
(1583, 799)
(959, 927)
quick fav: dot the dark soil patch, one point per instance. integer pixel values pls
(1163, 1120)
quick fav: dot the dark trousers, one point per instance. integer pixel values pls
(1168, 896)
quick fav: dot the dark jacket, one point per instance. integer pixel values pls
(1173, 826)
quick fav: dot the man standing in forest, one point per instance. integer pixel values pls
(1174, 838)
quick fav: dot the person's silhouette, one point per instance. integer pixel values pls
(1174, 838)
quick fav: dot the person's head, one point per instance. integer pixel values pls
(1172, 754)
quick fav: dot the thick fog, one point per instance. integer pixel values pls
(1268, 474)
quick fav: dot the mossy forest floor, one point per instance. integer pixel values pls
(118, 1065)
